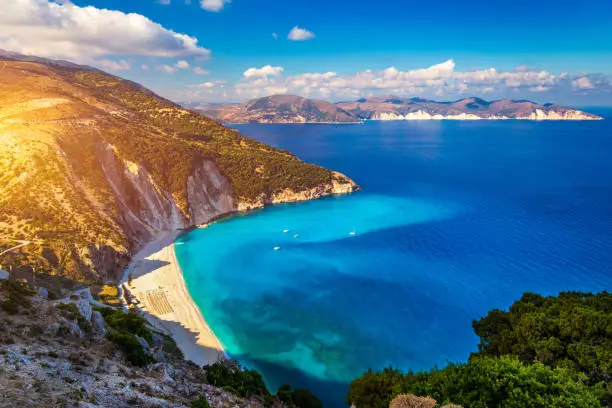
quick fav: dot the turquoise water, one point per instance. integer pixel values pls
(455, 218)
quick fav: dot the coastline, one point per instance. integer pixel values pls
(161, 295)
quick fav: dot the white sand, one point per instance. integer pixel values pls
(158, 285)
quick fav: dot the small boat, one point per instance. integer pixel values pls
(276, 248)
(286, 230)
(352, 233)
(296, 235)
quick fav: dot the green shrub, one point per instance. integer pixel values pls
(200, 403)
(544, 352)
(127, 321)
(305, 399)
(131, 347)
(235, 379)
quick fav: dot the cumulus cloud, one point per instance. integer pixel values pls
(144, 67)
(582, 83)
(169, 69)
(441, 79)
(200, 71)
(110, 65)
(182, 64)
(51, 29)
(213, 5)
(300, 34)
(263, 72)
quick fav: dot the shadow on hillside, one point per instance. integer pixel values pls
(145, 266)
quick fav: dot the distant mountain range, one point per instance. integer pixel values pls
(295, 109)
(280, 109)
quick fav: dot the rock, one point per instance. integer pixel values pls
(72, 327)
(51, 329)
(167, 379)
(43, 292)
(97, 323)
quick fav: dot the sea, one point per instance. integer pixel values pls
(454, 218)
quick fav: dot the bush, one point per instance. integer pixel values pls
(305, 399)
(412, 401)
(127, 321)
(236, 380)
(200, 403)
(131, 347)
(544, 352)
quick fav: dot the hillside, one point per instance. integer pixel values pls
(281, 109)
(92, 166)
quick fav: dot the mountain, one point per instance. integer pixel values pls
(92, 166)
(394, 108)
(295, 109)
(281, 109)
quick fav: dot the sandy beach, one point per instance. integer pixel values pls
(158, 285)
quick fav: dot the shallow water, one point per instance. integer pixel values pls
(455, 218)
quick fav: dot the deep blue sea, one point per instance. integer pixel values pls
(454, 219)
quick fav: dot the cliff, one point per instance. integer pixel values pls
(92, 166)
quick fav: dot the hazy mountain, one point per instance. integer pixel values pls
(280, 109)
(394, 108)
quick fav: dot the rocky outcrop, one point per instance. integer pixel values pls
(339, 184)
(210, 193)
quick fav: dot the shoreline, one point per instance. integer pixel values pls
(161, 296)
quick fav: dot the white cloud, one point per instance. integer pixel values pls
(263, 72)
(167, 68)
(540, 88)
(182, 64)
(163, 1)
(300, 34)
(121, 65)
(207, 85)
(144, 67)
(436, 80)
(200, 71)
(583, 83)
(275, 36)
(213, 5)
(50, 29)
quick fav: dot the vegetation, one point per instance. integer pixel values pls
(236, 380)
(125, 327)
(200, 403)
(573, 331)
(126, 321)
(71, 312)
(543, 352)
(131, 347)
(412, 401)
(110, 295)
(16, 296)
(247, 383)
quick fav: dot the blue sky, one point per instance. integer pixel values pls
(558, 51)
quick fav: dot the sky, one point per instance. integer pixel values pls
(208, 51)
